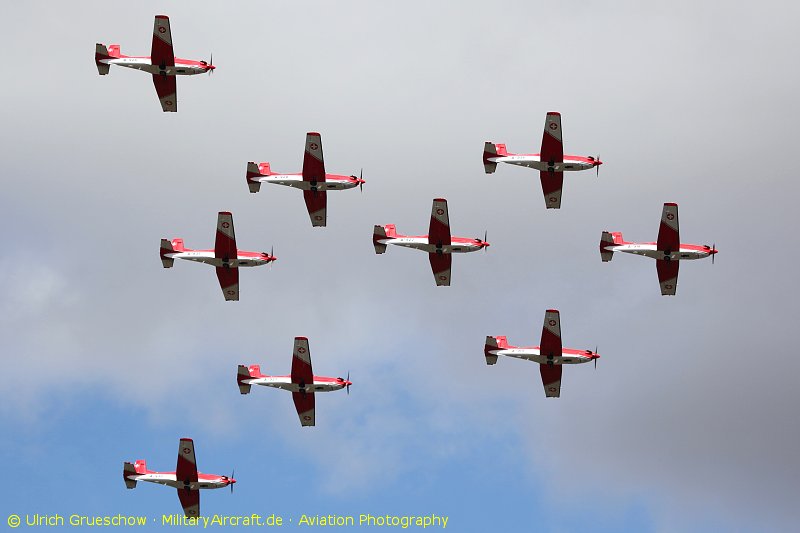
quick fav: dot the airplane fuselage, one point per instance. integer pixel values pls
(650, 249)
(532, 353)
(182, 67)
(421, 242)
(204, 481)
(571, 162)
(321, 383)
(243, 259)
(333, 182)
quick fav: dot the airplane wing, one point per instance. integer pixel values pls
(229, 282)
(161, 54)
(552, 183)
(317, 205)
(303, 374)
(304, 403)
(440, 264)
(301, 363)
(190, 501)
(552, 152)
(667, 276)
(313, 162)
(439, 230)
(551, 379)
(551, 334)
(225, 243)
(552, 147)
(167, 91)
(668, 236)
(186, 470)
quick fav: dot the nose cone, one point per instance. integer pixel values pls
(210, 67)
(597, 162)
(231, 481)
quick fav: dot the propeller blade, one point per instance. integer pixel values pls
(713, 252)
(361, 180)
(597, 167)
(348, 383)
(231, 484)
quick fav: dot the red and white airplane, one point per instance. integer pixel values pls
(162, 63)
(549, 354)
(225, 257)
(185, 478)
(438, 242)
(550, 162)
(313, 181)
(302, 383)
(667, 251)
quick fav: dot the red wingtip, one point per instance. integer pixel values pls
(439, 200)
(553, 113)
(301, 338)
(552, 310)
(162, 17)
(671, 203)
(314, 133)
(225, 213)
(187, 439)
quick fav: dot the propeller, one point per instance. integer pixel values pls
(211, 64)
(485, 234)
(597, 165)
(348, 383)
(360, 179)
(713, 252)
(233, 478)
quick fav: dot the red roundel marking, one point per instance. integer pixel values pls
(553, 126)
(226, 225)
(552, 322)
(442, 278)
(301, 350)
(553, 199)
(306, 417)
(668, 287)
(317, 217)
(670, 216)
(551, 389)
(168, 102)
(313, 146)
(440, 211)
(162, 29)
(231, 292)
(187, 451)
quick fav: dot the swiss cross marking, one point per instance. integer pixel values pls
(301, 350)
(552, 323)
(187, 451)
(440, 211)
(670, 216)
(313, 146)
(226, 225)
(162, 29)
(553, 126)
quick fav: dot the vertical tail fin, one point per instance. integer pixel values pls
(491, 150)
(129, 469)
(494, 343)
(242, 374)
(382, 232)
(166, 248)
(609, 239)
(101, 52)
(254, 171)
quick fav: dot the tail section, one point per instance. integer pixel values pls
(609, 239)
(244, 372)
(491, 150)
(167, 248)
(380, 233)
(101, 52)
(494, 343)
(255, 171)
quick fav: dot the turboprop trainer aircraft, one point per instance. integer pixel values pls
(667, 251)
(549, 354)
(438, 242)
(225, 257)
(550, 162)
(162, 63)
(185, 478)
(313, 181)
(302, 383)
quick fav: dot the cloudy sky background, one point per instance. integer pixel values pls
(690, 421)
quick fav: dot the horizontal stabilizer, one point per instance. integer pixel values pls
(129, 470)
(253, 171)
(101, 52)
(242, 374)
(493, 343)
(166, 248)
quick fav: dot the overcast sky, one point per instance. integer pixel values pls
(690, 420)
